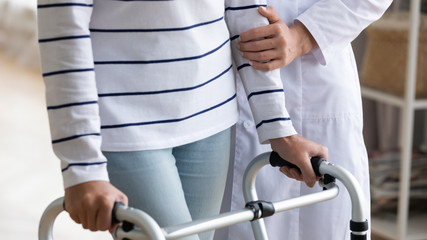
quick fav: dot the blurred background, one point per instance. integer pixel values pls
(29, 171)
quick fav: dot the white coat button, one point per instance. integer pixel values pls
(247, 124)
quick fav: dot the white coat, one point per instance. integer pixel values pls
(323, 98)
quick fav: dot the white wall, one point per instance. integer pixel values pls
(24, 3)
(18, 34)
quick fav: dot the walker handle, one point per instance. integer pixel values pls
(126, 225)
(114, 219)
(277, 161)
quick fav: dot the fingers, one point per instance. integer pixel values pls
(267, 66)
(73, 215)
(91, 204)
(264, 31)
(256, 46)
(323, 152)
(91, 213)
(260, 56)
(103, 218)
(269, 13)
(308, 178)
(298, 150)
(90, 222)
(264, 55)
(308, 174)
(292, 173)
(259, 33)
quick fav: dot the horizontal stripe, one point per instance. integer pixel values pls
(154, 29)
(244, 7)
(243, 66)
(82, 164)
(68, 71)
(161, 60)
(70, 105)
(168, 120)
(63, 38)
(163, 91)
(74, 137)
(272, 120)
(144, 0)
(64, 5)
(264, 92)
(234, 37)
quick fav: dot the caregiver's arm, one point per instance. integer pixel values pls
(265, 94)
(325, 29)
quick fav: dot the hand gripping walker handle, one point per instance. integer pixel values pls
(358, 224)
(277, 161)
(126, 226)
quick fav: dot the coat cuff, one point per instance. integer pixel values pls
(319, 53)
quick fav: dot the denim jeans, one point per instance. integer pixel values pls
(175, 185)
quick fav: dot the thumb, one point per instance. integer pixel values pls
(269, 13)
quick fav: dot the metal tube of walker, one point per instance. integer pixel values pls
(250, 194)
(48, 219)
(358, 224)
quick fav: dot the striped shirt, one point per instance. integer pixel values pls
(128, 75)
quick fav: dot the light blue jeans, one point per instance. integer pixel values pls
(175, 185)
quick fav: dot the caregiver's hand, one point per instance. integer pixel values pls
(275, 45)
(299, 150)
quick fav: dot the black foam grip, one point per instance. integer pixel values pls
(358, 237)
(277, 161)
(114, 219)
(359, 226)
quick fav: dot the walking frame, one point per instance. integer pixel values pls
(137, 225)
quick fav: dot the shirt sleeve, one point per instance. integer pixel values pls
(264, 90)
(71, 95)
(336, 23)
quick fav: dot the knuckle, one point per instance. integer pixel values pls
(104, 201)
(324, 149)
(282, 41)
(277, 28)
(124, 198)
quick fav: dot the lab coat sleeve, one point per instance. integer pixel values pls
(264, 90)
(336, 23)
(71, 95)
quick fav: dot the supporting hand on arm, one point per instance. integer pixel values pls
(275, 45)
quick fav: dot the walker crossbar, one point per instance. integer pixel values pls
(148, 229)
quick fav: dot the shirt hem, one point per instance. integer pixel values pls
(118, 147)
